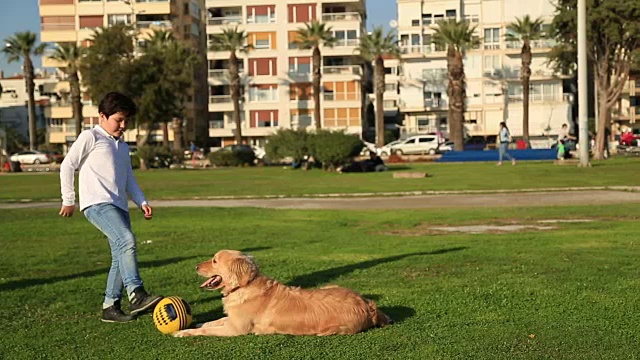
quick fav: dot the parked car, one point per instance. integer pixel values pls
(54, 156)
(30, 157)
(386, 150)
(418, 144)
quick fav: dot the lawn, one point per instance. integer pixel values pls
(265, 181)
(569, 292)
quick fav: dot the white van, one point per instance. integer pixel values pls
(418, 144)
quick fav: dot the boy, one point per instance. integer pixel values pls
(105, 179)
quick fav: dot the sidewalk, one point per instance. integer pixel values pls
(387, 201)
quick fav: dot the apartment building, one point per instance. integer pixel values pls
(627, 111)
(64, 21)
(494, 90)
(276, 74)
(14, 113)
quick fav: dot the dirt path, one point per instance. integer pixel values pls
(449, 200)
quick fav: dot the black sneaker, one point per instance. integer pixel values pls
(114, 314)
(142, 301)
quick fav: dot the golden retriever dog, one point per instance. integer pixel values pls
(256, 304)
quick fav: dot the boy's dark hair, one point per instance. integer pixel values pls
(115, 102)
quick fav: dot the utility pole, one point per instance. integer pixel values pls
(582, 83)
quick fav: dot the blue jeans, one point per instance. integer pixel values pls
(116, 225)
(502, 151)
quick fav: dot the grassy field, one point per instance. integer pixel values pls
(570, 292)
(187, 184)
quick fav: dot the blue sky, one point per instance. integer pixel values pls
(22, 15)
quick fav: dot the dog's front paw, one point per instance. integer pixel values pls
(181, 333)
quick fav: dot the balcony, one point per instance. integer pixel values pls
(333, 96)
(346, 42)
(154, 25)
(216, 124)
(227, 20)
(346, 16)
(535, 44)
(262, 19)
(342, 70)
(435, 103)
(220, 99)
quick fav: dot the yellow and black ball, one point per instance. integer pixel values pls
(172, 314)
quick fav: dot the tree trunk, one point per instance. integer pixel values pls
(603, 123)
(456, 94)
(176, 126)
(525, 76)
(235, 95)
(76, 101)
(317, 77)
(379, 90)
(31, 104)
(165, 133)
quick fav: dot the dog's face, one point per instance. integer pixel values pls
(227, 270)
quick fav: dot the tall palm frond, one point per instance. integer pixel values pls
(22, 46)
(374, 47)
(234, 41)
(456, 36)
(312, 36)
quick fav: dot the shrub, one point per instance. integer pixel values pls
(288, 143)
(155, 156)
(235, 157)
(334, 148)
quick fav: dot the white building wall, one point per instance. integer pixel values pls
(492, 72)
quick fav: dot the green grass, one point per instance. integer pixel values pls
(569, 293)
(173, 184)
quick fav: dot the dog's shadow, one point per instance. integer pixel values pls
(398, 313)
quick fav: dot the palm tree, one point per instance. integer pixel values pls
(70, 55)
(233, 40)
(373, 47)
(524, 29)
(163, 41)
(22, 45)
(456, 36)
(313, 35)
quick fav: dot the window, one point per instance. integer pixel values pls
(263, 67)
(262, 44)
(90, 22)
(263, 92)
(58, 23)
(262, 40)
(119, 19)
(263, 14)
(264, 118)
(301, 13)
(427, 19)
(492, 38)
(341, 117)
(300, 65)
(341, 91)
(450, 14)
(415, 22)
(346, 37)
(391, 87)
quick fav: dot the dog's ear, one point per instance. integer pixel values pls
(242, 271)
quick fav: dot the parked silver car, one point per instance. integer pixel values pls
(419, 144)
(30, 157)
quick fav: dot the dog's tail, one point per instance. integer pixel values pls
(378, 318)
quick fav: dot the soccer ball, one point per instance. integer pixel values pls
(172, 314)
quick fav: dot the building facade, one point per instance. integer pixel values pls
(74, 21)
(276, 74)
(14, 112)
(494, 90)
